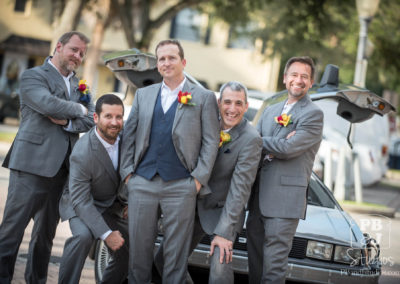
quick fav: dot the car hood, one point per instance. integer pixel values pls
(329, 225)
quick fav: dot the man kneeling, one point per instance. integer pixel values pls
(91, 203)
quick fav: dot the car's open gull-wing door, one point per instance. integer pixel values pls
(354, 104)
(136, 69)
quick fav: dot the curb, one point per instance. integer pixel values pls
(384, 211)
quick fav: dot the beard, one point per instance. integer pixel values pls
(109, 135)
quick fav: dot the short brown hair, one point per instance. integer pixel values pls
(174, 42)
(64, 39)
(302, 59)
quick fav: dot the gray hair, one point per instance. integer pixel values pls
(234, 86)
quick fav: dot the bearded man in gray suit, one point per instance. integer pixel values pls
(221, 213)
(169, 144)
(91, 203)
(291, 132)
(53, 113)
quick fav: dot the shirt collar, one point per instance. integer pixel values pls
(179, 88)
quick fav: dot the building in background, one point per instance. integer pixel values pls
(216, 52)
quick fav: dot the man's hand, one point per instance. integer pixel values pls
(225, 248)
(125, 212)
(291, 134)
(198, 185)
(62, 122)
(127, 178)
(115, 240)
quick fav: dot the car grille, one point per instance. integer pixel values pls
(299, 245)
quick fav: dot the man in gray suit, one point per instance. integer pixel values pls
(291, 132)
(221, 213)
(53, 113)
(90, 203)
(169, 144)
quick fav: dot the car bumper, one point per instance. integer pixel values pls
(298, 269)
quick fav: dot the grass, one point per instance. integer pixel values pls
(7, 137)
(373, 205)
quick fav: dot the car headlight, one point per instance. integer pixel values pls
(347, 255)
(319, 250)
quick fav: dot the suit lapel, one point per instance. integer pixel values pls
(277, 112)
(150, 96)
(180, 110)
(102, 156)
(56, 77)
(74, 89)
(234, 133)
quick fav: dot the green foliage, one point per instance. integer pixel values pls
(384, 32)
(321, 29)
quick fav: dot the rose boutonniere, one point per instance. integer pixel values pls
(224, 138)
(185, 99)
(83, 88)
(284, 119)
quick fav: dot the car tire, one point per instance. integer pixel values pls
(101, 259)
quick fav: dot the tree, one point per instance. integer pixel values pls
(66, 16)
(384, 64)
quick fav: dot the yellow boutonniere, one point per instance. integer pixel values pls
(224, 137)
(284, 119)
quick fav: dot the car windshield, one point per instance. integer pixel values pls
(319, 194)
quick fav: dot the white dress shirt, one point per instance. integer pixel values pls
(113, 151)
(287, 107)
(169, 96)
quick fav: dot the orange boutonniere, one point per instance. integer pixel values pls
(284, 119)
(83, 88)
(185, 99)
(224, 137)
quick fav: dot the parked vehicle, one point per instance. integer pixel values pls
(329, 246)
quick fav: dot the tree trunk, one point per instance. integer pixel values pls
(93, 54)
(68, 20)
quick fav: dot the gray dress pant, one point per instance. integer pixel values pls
(77, 247)
(220, 273)
(30, 197)
(176, 200)
(269, 241)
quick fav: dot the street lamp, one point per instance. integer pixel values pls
(366, 10)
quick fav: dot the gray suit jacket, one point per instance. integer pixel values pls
(284, 180)
(222, 212)
(40, 146)
(93, 184)
(195, 131)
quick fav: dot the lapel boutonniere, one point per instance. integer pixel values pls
(284, 119)
(224, 138)
(84, 91)
(185, 99)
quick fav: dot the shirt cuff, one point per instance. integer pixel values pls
(68, 127)
(105, 235)
(83, 109)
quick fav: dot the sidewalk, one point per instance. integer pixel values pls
(63, 232)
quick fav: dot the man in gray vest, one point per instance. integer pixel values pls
(53, 113)
(221, 213)
(291, 132)
(169, 145)
(91, 203)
